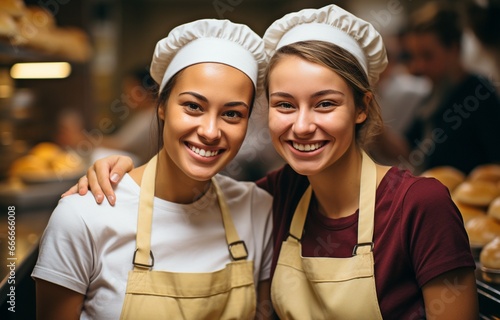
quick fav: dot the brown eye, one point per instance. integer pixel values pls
(284, 105)
(192, 107)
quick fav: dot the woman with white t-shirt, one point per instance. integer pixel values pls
(181, 241)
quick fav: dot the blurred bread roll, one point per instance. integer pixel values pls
(482, 230)
(8, 27)
(35, 28)
(46, 150)
(489, 259)
(494, 209)
(38, 17)
(14, 8)
(490, 255)
(476, 193)
(469, 212)
(67, 163)
(447, 175)
(29, 164)
(47, 161)
(71, 43)
(485, 172)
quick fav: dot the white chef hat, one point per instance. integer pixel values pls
(335, 25)
(209, 40)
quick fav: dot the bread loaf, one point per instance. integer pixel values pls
(469, 212)
(476, 193)
(14, 8)
(486, 172)
(447, 175)
(8, 27)
(482, 230)
(494, 209)
(489, 258)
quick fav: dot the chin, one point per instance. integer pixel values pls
(201, 175)
(306, 169)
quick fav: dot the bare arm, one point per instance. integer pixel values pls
(54, 302)
(102, 176)
(452, 295)
(264, 305)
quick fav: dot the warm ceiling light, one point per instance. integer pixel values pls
(40, 70)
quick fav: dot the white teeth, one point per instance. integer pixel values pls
(307, 147)
(204, 153)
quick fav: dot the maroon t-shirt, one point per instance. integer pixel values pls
(419, 234)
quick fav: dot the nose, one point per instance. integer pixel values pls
(304, 123)
(209, 129)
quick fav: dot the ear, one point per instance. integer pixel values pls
(161, 113)
(361, 111)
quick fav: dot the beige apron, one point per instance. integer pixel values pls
(329, 288)
(225, 294)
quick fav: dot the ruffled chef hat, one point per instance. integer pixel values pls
(209, 40)
(332, 24)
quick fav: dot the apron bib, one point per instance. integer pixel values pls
(224, 294)
(329, 288)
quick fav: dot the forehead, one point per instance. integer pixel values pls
(212, 74)
(217, 82)
(291, 70)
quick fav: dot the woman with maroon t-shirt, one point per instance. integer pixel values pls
(353, 239)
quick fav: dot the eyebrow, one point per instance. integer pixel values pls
(325, 92)
(204, 99)
(314, 95)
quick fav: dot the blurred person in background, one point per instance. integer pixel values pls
(136, 136)
(400, 93)
(481, 41)
(457, 124)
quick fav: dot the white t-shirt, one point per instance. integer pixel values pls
(88, 247)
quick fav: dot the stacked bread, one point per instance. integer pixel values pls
(35, 27)
(479, 192)
(477, 196)
(47, 161)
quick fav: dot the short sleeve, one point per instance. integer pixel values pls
(65, 256)
(433, 230)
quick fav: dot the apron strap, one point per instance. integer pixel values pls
(299, 217)
(368, 188)
(143, 256)
(237, 247)
(367, 192)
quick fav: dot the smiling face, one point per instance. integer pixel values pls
(312, 114)
(206, 118)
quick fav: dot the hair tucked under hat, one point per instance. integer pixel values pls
(335, 25)
(209, 40)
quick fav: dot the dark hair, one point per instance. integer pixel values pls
(440, 19)
(346, 66)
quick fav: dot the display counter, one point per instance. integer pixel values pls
(489, 297)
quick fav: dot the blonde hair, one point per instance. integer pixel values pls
(346, 66)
